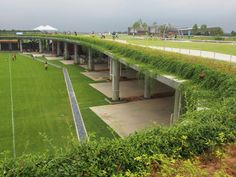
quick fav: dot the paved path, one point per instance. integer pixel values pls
(79, 124)
(205, 54)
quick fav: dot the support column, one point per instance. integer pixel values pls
(177, 105)
(147, 87)
(76, 54)
(58, 49)
(10, 46)
(115, 80)
(48, 45)
(40, 46)
(21, 45)
(90, 60)
(53, 48)
(110, 65)
(66, 55)
(44, 45)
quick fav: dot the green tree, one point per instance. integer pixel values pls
(136, 25)
(144, 26)
(217, 32)
(233, 33)
(203, 29)
(162, 28)
(140, 25)
(195, 29)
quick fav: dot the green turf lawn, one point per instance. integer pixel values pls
(205, 46)
(41, 105)
(87, 97)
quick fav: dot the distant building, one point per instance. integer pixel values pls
(133, 31)
(185, 31)
(7, 45)
(189, 31)
(154, 30)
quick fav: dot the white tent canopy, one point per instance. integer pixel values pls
(46, 28)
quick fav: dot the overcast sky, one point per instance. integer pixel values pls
(109, 15)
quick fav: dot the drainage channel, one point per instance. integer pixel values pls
(79, 124)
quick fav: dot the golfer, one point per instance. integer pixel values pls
(13, 57)
(46, 65)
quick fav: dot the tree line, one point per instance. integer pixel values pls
(196, 30)
(206, 31)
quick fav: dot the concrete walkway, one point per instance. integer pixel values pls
(67, 62)
(205, 54)
(132, 88)
(54, 58)
(79, 123)
(130, 117)
(200, 53)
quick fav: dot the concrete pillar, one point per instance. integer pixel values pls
(48, 45)
(21, 45)
(44, 45)
(76, 54)
(66, 54)
(177, 105)
(53, 48)
(147, 87)
(40, 46)
(10, 46)
(90, 60)
(110, 65)
(58, 49)
(115, 80)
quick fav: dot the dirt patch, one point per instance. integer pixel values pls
(228, 163)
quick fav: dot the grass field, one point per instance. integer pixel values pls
(32, 101)
(88, 97)
(205, 46)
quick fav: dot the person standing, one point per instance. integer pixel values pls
(13, 57)
(114, 35)
(46, 65)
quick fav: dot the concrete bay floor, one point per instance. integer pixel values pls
(132, 88)
(134, 116)
(105, 75)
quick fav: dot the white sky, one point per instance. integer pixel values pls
(109, 15)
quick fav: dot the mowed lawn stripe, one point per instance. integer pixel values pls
(12, 109)
(204, 46)
(5, 106)
(41, 106)
(88, 97)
